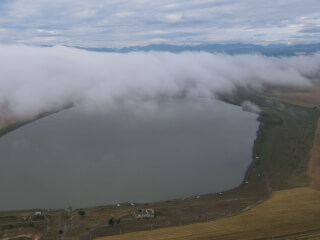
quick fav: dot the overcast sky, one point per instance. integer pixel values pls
(118, 23)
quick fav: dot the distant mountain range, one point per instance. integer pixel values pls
(232, 49)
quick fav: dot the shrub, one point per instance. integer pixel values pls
(111, 221)
(81, 213)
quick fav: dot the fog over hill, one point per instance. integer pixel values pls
(38, 79)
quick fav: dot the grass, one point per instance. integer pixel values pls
(286, 212)
(283, 142)
(314, 166)
(303, 96)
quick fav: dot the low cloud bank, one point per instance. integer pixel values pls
(36, 79)
(250, 107)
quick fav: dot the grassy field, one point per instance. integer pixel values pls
(280, 161)
(283, 143)
(314, 166)
(288, 214)
(303, 96)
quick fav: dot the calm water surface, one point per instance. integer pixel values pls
(141, 153)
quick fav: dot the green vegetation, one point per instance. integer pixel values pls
(81, 213)
(284, 140)
(111, 221)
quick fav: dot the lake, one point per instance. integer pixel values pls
(138, 152)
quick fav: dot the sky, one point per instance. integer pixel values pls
(119, 23)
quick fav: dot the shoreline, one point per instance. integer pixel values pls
(16, 125)
(262, 179)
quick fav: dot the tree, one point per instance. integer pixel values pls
(81, 213)
(111, 221)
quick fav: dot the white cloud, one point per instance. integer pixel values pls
(250, 107)
(172, 5)
(98, 23)
(35, 79)
(174, 17)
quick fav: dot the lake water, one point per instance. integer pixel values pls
(174, 148)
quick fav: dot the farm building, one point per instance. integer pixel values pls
(38, 214)
(144, 213)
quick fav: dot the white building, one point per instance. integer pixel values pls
(147, 213)
(37, 214)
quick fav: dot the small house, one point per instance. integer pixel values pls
(144, 213)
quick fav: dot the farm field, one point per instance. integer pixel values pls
(288, 214)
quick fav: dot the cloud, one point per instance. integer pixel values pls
(35, 79)
(311, 30)
(250, 107)
(117, 23)
(174, 17)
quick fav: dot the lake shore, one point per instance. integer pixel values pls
(269, 171)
